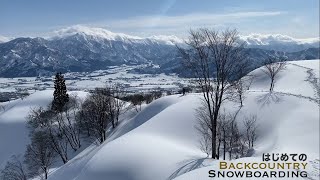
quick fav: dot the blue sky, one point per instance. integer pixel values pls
(296, 18)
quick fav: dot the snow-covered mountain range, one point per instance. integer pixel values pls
(268, 41)
(279, 42)
(80, 48)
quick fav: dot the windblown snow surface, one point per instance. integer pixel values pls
(161, 142)
(14, 135)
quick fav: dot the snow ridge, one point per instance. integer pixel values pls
(268, 39)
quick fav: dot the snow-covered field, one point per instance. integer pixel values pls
(161, 142)
(132, 82)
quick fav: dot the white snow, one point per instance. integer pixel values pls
(101, 33)
(251, 39)
(96, 32)
(160, 142)
(170, 40)
(14, 135)
(87, 81)
(267, 39)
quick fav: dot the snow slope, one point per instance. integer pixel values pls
(13, 132)
(14, 135)
(161, 142)
(150, 150)
(289, 117)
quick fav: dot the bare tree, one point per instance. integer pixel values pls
(156, 94)
(204, 128)
(2, 107)
(214, 58)
(228, 132)
(115, 103)
(272, 67)
(233, 133)
(234, 137)
(82, 121)
(205, 144)
(148, 98)
(14, 170)
(95, 114)
(22, 92)
(39, 155)
(136, 101)
(58, 143)
(241, 86)
(46, 120)
(67, 124)
(222, 134)
(250, 124)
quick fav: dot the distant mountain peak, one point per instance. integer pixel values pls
(91, 31)
(269, 39)
(101, 33)
(168, 39)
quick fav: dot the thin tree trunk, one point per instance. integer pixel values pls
(224, 149)
(46, 173)
(218, 152)
(214, 139)
(271, 85)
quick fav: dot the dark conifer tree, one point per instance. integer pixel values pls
(60, 96)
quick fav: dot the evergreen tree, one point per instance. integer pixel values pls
(60, 96)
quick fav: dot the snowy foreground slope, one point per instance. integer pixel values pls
(289, 118)
(13, 132)
(161, 143)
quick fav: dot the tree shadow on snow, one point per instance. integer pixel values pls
(269, 98)
(188, 165)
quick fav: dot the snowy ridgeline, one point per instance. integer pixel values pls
(161, 142)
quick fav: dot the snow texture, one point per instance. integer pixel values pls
(161, 142)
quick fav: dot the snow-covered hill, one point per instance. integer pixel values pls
(289, 117)
(161, 142)
(14, 135)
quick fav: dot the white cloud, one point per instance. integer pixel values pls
(4, 39)
(187, 21)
